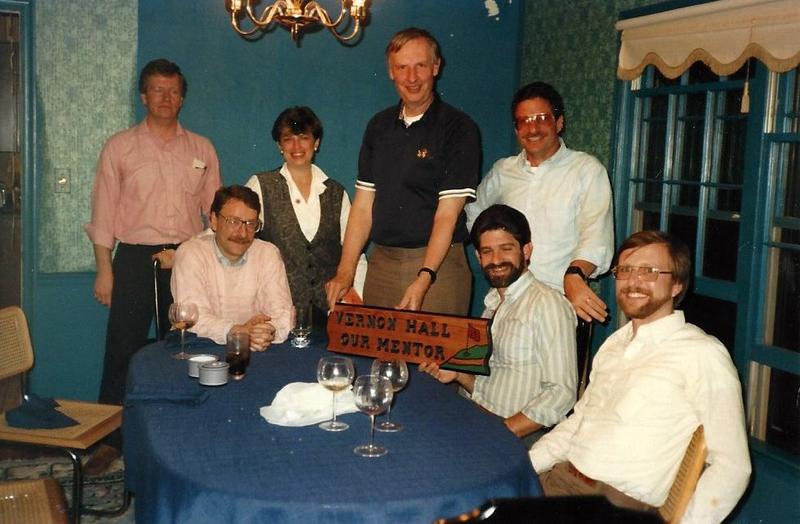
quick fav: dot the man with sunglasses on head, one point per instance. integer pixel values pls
(565, 194)
(238, 282)
(653, 382)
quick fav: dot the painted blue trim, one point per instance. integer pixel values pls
(776, 357)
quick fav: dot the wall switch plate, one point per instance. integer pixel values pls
(63, 176)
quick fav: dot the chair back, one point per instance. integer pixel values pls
(16, 351)
(156, 267)
(583, 334)
(686, 480)
(36, 501)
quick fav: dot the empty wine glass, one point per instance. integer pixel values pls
(301, 325)
(373, 394)
(183, 315)
(336, 374)
(396, 371)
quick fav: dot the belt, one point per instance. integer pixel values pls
(150, 247)
(577, 474)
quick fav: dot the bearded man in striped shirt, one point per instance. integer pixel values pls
(533, 378)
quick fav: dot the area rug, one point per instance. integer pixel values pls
(103, 492)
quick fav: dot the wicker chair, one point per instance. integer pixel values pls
(686, 480)
(39, 501)
(95, 421)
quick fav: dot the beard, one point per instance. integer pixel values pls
(502, 281)
(636, 309)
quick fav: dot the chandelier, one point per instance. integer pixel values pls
(297, 14)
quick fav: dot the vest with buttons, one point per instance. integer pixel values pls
(308, 264)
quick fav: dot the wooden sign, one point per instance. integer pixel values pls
(453, 342)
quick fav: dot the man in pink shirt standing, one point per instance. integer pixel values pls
(153, 184)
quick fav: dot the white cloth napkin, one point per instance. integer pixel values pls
(306, 403)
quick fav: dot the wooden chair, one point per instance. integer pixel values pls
(39, 501)
(686, 480)
(583, 335)
(95, 421)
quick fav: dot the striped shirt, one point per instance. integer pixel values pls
(533, 363)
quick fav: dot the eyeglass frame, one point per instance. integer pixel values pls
(233, 223)
(645, 273)
(540, 119)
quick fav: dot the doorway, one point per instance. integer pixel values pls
(10, 170)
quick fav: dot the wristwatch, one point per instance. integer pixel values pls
(430, 273)
(575, 270)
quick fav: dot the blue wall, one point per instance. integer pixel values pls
(238, 87)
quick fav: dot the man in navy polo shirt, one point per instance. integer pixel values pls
(419, 165)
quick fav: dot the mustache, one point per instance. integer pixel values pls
(241, 240)
(637, 289)
(502, 265)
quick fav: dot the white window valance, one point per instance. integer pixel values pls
(722, 34)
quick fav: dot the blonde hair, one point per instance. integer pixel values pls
(403, 37)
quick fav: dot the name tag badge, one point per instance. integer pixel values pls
(198, 164)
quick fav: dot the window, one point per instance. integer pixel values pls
(686, 177)
(774, 392)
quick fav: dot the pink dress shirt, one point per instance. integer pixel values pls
(227, 295)
(147, 191)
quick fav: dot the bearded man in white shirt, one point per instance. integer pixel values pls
(653, 382)
(533, 377)
(238, 282)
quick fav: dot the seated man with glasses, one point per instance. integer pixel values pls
(238, 282)
(564, 194)
(653, 382)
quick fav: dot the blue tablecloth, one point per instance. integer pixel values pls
(204, 454)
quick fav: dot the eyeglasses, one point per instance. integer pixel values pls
(646, 274)
(539, 119)
(233, 224)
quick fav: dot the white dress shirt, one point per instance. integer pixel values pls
(646, 396)
(567, 201)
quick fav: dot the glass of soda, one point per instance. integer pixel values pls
(237, 353)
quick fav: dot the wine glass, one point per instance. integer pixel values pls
(396, 371)
(373, 394)
(183, 315)
(301, 325)
(336, 374)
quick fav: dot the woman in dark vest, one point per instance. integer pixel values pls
(303, 211)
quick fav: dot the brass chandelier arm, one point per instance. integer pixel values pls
(266, 17)
(278, 8)
(324, 18)
(296, 15)
(352, 35)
